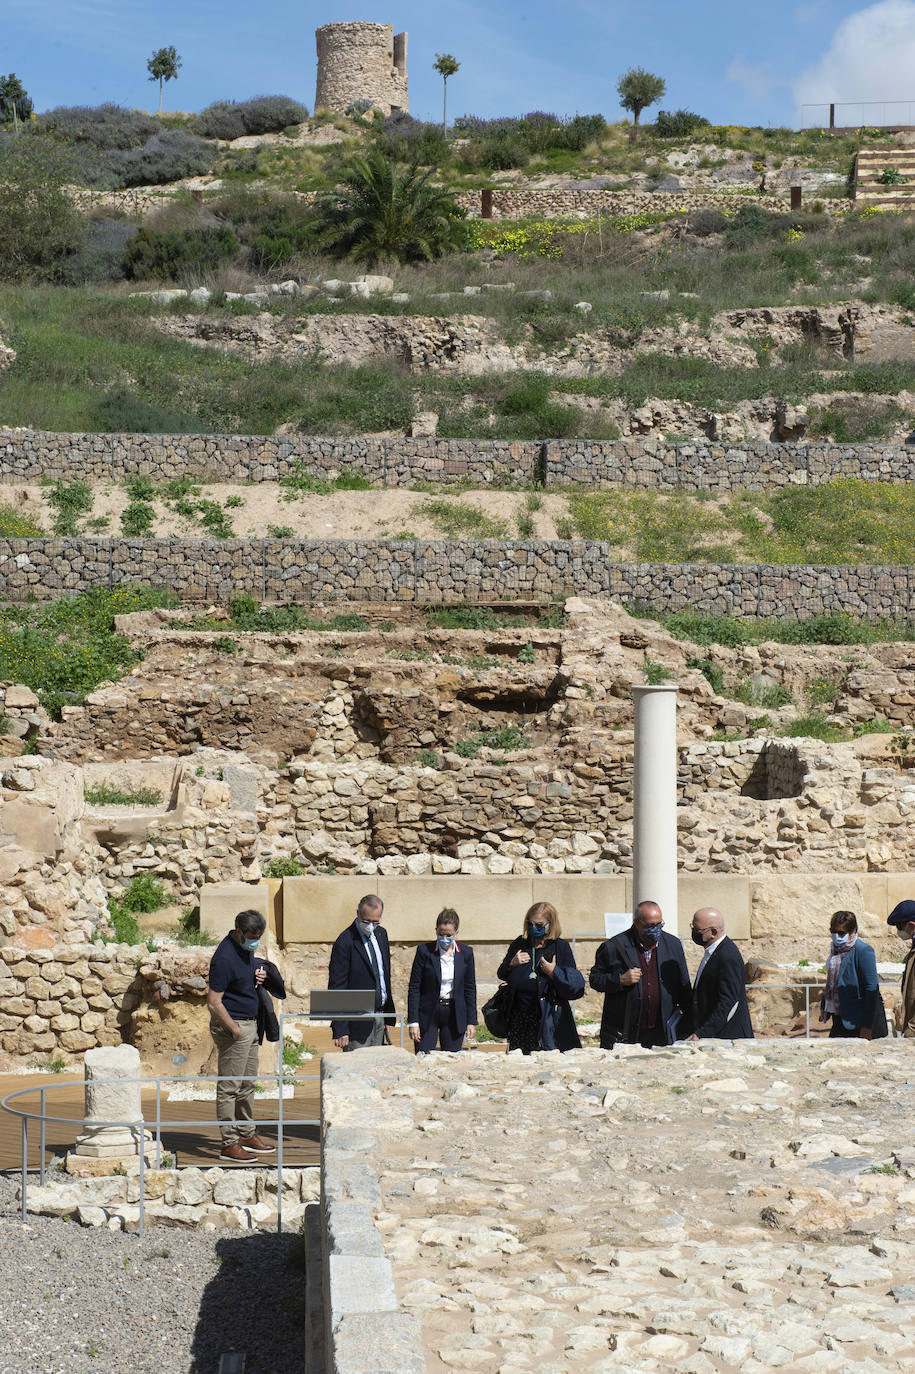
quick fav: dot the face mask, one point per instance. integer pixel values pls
(537, 932)
(445, 942)
(698, 938)
(366, 927)
(250, 945)
(839, 941)
(651, 935)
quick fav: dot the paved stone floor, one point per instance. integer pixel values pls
(690, 1210)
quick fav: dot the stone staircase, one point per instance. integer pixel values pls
(870, 165)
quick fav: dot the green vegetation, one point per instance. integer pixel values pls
(145, 894)
(295, 1054)
(64, 649)
(456, 520)
(378, 212)
(731, 631)
(107, 794)
(655, 673)
(71, 501)
(188, 932)
(506, 739)
(814, 726)
(284, 866)
(14, 525)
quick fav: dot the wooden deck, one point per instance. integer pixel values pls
(190, 1144)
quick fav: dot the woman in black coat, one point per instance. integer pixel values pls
(442, 996)
(540, 971)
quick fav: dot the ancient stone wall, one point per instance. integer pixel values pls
(438, 572)
(361, 61)
(510, 202)
(32, 455)
(71, 998)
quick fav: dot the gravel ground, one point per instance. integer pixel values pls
(81, 1301)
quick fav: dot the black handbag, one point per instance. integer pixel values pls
(497, 1012)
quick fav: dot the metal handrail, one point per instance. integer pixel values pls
(280, 1121)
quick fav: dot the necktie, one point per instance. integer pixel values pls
(373, 959)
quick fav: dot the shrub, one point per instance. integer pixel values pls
(71, 501)
(166, 157)
(413, 140)
(680, 124)
(705, 222)
(39, 226)
(103, 127)
(137, 520)
(168, 256)
(120, 411)
(145, 894)
(263, 114)
(503, 152)
(100, 257)
(750, 226)
(283, 867)
(814, 726)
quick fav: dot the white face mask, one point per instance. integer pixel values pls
(366, 927)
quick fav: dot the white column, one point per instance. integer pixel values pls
(110, 1098)
(654, 864)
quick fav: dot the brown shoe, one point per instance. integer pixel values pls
(258, 1144)
(237, 1154)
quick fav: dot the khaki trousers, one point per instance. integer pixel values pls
(237, 1064)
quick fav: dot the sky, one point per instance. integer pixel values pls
(734, 64)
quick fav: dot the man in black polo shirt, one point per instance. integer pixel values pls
(233, 1002)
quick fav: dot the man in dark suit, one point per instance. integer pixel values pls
(643, 976)
(361, 958)
(720, 1009)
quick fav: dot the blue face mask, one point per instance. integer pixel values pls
(445, 942)
(250, 945)
(651, 934)
(537, 932)
(840, 943)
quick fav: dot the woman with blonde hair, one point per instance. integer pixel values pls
(539, 968)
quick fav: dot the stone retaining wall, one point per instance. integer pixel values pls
(443, 571)
(30, 455)
(364, 1326)
(511, 202)
(240, 1199)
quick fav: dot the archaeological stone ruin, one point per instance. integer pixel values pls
(361, 64)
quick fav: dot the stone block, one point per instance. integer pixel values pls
(351, 1231)
(580, 901)
(799, 905)
(490, 908)
(730, 894)
(220, 903)
(380, 1343)
(357, 1283)
(350, 1180)
(317, 909)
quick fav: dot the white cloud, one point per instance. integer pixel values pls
(871, 57)
(756, 82)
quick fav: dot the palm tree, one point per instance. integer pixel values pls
(379, 211)
(446, 66)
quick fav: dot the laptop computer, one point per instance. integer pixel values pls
(339, 1003)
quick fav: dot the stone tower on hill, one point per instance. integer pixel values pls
(361, 61)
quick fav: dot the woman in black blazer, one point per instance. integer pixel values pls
(442, 997)
(539, 969)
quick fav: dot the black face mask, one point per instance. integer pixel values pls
(697, 938)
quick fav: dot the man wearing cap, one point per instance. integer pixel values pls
(903, 918)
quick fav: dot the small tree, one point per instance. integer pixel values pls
(446, 66)
(15, 104)
(638, 89)
(163, 66)
(39, 225)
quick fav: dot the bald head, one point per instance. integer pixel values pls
(708, 925)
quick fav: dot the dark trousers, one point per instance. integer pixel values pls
(651, 1037)
(441, 1032)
